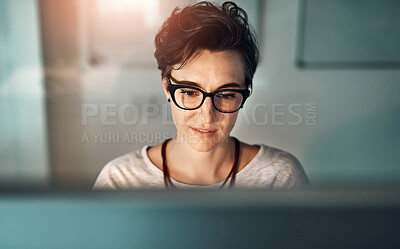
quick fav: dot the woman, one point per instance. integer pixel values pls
(207, 56)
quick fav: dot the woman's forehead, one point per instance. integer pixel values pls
(212, 69)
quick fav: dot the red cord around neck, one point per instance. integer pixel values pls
(232, 174)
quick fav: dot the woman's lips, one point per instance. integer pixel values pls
(203, 133)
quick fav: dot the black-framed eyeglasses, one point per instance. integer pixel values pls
(191, 98)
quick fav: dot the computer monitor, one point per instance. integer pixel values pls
(201, 219)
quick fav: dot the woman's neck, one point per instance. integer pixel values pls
(188, 165)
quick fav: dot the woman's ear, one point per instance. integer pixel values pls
(165, 87)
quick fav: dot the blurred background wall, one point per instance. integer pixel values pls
(103, 94)
(23, 129)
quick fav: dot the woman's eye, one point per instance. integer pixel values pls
(226, 96)
(189, 93)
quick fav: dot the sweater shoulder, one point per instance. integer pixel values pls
(275, 168)
(126, 172)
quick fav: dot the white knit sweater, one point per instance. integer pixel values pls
(271, 168)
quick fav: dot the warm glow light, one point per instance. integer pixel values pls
(149, 8)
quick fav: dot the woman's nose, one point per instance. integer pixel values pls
(207, 112)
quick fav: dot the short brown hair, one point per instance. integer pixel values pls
(205, 26)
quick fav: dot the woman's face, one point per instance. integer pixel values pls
(205, 127)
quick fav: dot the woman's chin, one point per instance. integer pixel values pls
(201, 144)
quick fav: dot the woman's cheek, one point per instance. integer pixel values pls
(177, 116)
(181, 119)
(230, 122)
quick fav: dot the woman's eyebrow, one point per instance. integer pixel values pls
(229, 85)
(186, 82)
(191, 83)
